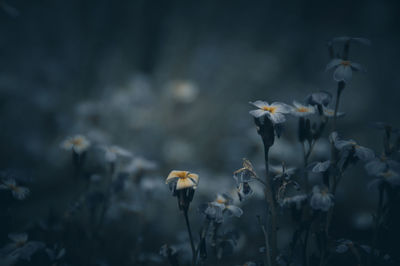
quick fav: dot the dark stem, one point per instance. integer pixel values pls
(377, 222)
(267, 261)
(190, 236)
(272, 217)
(340, 88)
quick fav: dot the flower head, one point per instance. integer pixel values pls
(362, 153)
(344, 69)
(275, 111)
(18, 192)
(182, 179)
(293, 201)
(225, 202)
(301, 110)
(77, 143)
(111, 153)
(321, 199)
(319, 98)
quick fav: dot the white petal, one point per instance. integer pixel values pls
(343, 73)
(282, 107)
(358, 67)
(259, 104)
(364, 153)
(234, 210)
(258, 113)
(277, 118)
(333, 63)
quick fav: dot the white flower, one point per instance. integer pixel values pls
(225, 203)
(330, 112)
(343, 69)
(321, 199)
(139, 164)
(319, 98)
(18, 192)
(77, 143)
(301, 110)
(275, 111)
(111, 153)
(362, 153)
(296, 201)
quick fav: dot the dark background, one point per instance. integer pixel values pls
(109, 70)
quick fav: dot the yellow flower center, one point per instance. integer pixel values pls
(345, 63)
(302, 109)
(77, 142)
(270, 109)
(182, 174)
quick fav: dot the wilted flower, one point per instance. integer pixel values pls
(77, 143)
(111, 153)
(242, 177)
(301, 110)
(321, 199)
(225, 202)
(275, 111)
(362, 153)
(343, 69)
(244, 191)
(331, 113)
(18, 192)
(319, 98)
(343, 245)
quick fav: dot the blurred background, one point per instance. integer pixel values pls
(170, 81)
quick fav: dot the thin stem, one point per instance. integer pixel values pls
(340, 88)
(267, 248)
(272, 221)
(377, 222)
(190, 236)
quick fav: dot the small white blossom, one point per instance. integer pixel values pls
(362, 153)
(18, 192)
(331, 113)
(225, 203)
(343, 69)
(275, 111)
(301, 110)
(111, 153)
(77, 143)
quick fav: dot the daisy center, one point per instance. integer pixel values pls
(270, 109)
(302, 110)
(345, 63)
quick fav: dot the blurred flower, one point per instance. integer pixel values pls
(77, 143)
(389, 176)
(111, 153)
(184, 91)
(343, 69)
(381, 164)
(301, 110)
(275, 111)
(212, 212)
(182, 179)
(225, 202)
(362, 153)
(55, 253)
(319, 98)
(330, 112)
(140, 165)
(321, 199)
(343, 245)
(321, 167)
(244, 191)
(18, 192)
(20, 247)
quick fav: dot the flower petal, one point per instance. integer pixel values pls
(258, 113)
(259, 104)
(343, 73)
(333, 63)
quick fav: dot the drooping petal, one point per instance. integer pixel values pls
(277, 118)
(364, 154)
(234, 210)
(333, 63)
(194, 178)
(185, 183)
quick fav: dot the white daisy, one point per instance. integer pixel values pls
(275, 111)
